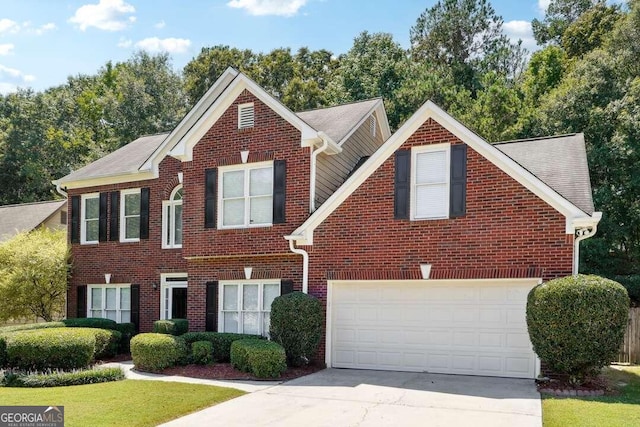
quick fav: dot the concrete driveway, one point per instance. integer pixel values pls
(347, 397)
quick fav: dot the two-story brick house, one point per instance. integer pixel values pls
(422, 244)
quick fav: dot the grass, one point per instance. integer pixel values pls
(604, 411)
(122, 403)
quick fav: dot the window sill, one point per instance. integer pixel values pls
(172, 247)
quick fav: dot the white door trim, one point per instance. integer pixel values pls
(166, 284)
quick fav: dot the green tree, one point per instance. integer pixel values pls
(34, 268)
(558, 16)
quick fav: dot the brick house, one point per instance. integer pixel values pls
(422, 245)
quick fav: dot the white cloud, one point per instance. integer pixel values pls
(9, 26)
(125, 43)
(11, 78)
(160, 25)
(543, 5)
(6, 48)
(6, 88)
(171, 45)
(520, 30)
(268, 7)
(50, 26)
(9, 72)
(28, 78)
(109, 15)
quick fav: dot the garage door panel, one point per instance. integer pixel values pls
(457, 329)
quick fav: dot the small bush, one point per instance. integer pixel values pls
(107, 342)
(202, 352)
(55, 348)
(221, 342)
(31, 326)
(90, 322)
(264, 359)
(59, 378)
(576, 324)
(172, 327)
(128, 330)
(154, 352)
(296, 324)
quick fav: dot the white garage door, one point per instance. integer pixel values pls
(472, 327)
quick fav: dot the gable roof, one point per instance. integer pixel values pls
(559, 161)
(26, 216)
(304, 234)
(340, 121)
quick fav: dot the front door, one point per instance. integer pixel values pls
(173, 296)
(179, 303)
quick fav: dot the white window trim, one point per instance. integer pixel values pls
(164, 284)
(83, 225)
(446, 147)
(247, 207)
(241, 107)
(123, 223)
(118, 286)
(168, 227)
(240, 283)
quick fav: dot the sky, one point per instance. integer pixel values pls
(44, 42)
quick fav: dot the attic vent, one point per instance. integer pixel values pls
(245, 116)
(372, 125)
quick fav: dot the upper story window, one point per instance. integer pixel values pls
(130, 215)
(89, 227)
(172, 220)
(430, 181)
(245, 116)
(246, 195)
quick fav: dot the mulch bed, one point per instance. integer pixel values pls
(224, 371)
(558, 385)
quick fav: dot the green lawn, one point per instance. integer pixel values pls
(621, 410)
(121, 403)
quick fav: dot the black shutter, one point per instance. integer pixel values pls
(210, 176)
(102, 217)
(75, 219)
(114, 220)
(279, 191)
(211, 309)
(144, 213)
(402, 184)
(458, 192)
(286, 286)
(135, 306)
(81, 302)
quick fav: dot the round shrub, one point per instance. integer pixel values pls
(202, 352)
(171, 326)
(90, 322)
(264, 359)
(107, 342)
(577, 323)
(296, 324)
(54, 348)
(30, 326)
(221, 342)
(154, 352)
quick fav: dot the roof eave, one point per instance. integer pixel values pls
(120, 178)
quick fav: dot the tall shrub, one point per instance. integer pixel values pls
(577, 323)
(296, 324)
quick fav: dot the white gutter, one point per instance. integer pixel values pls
(305, 262)
(582, 232)
(60, 190)
(314, 156)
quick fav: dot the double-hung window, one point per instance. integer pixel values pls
(246, 195)
(130, 215)
(89, 227)
(172, 220)
(110, 302)
(430, 181)
(246, 306)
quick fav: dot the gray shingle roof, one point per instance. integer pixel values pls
(126, 159)
(559, 161)
(338, 121)
(26, 216)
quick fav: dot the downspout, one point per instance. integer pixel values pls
(61, 191)
(582, 233)
(314, 155)
(66, 294)
(305, 264)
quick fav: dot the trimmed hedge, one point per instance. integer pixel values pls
(172, 327)
(59, 379)
(202, 352)
(128, 330)
(221, 342)
(264, 359)
(54, 348)
(31, 326)
(90, 322)
(297, 320)
(576, 324)
(154, 352)
(107, 342)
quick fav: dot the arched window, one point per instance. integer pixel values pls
(172, 220)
